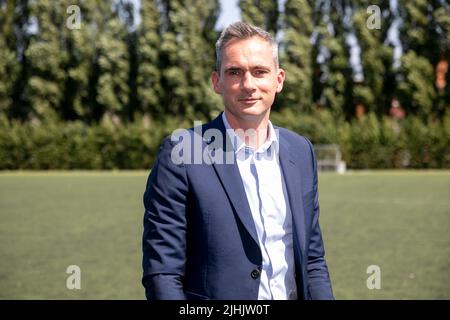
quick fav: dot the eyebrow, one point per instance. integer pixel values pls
(234, 68)
(261, 67)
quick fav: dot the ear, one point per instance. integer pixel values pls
(215, 79)
(280, 79)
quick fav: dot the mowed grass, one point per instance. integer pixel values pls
(399, 221)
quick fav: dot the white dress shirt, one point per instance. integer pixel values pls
(261, 174)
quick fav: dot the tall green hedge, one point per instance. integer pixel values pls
(75, 145)
(365, 143)
(374, 143)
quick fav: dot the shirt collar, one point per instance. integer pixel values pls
(238, 144)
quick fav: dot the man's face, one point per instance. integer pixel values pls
(248, 79)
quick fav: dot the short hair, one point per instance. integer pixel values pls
(242, 30)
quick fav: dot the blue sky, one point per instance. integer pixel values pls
(229, 13)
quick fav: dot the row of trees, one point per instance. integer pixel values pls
(156, 61)
(316, 47)
(111, 64)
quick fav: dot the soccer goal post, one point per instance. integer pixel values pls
(329, 158)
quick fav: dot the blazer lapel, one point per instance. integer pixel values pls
(232, 183)
(292, 178)
(231, 180)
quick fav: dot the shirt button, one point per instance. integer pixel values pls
(255, 274)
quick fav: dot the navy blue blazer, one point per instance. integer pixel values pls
(199, 239)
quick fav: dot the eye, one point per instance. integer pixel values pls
(261, 72)
(233, 72)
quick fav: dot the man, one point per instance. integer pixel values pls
(241, 223)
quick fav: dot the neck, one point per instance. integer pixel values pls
(253, 131)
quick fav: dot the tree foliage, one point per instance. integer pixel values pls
(154, 58)
(297, 55)
(262, 13)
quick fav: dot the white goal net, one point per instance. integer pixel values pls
(329, 158)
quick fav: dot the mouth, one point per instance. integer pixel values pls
(249, 100)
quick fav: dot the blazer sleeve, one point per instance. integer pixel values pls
(164, 236)
(319, 284)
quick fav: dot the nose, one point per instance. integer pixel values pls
(247, 82)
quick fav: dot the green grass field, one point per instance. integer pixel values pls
(397, 220)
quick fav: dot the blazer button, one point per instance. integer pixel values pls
(255, 274)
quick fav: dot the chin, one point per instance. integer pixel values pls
(253, 113)
(248, 112)
(255, 108)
